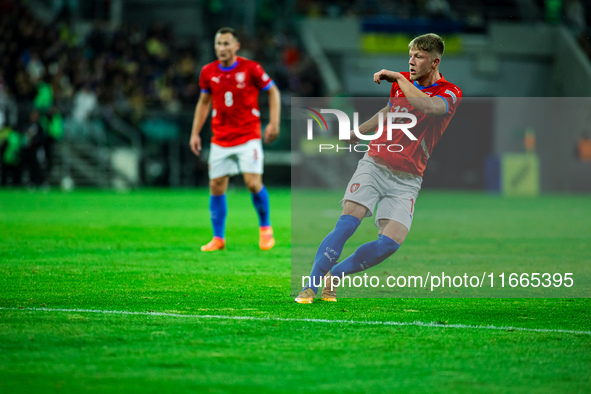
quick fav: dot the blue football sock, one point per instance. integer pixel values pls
(331, 248)
(366, 256)
(218, 208)
(260, 201)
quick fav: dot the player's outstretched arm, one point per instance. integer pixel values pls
(201, 112)
(272, 129)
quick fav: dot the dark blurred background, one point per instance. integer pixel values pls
(101, 93)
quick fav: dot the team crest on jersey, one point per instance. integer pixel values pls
(240, 77)
(354, 187)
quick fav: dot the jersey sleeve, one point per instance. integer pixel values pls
(393, 90)
(452, 96)
(204, 81)
(261, 79)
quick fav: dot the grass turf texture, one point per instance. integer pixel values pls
(140, 252)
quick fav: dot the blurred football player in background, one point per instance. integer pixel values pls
(233, 83)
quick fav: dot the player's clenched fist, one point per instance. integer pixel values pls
(271, 133)
(195, 144)
(385, 75)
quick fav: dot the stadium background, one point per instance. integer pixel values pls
(123, 75)
(107, 291)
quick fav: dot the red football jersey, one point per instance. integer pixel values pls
(235, 118)
(428, 130)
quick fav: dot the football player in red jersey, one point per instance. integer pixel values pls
(232, 83)
(388, 179)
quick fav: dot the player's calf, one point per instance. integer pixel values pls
(366, 256)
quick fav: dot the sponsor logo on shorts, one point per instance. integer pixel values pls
(354, 187)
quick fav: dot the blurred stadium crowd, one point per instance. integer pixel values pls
(57, 82)
(53, 80)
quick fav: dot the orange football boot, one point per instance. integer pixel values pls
(266, 240)
(216, 243)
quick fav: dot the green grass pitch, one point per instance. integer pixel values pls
(139, 252)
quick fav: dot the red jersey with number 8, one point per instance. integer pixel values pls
(235, 118)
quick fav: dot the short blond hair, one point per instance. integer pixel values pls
(431, 43)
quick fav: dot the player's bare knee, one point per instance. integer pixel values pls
(254, 187)
(354, 209)
(398, 238)
(218, 186)
(393, 230)
(254, 183)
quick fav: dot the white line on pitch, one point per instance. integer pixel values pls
(285, 319)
